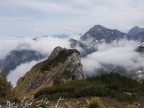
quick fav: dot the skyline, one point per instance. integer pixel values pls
(45, 17)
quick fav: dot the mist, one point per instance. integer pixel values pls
(8, 44)
(118, 53)
(20, 71)
(44, 45)
(121, 53)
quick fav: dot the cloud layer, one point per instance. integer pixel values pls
(120, 53)
(39, 17)
(44, 45)
(20, 72)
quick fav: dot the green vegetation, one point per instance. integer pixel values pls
(63, 76)
(5, 88)
(60, 58)
(111, 85)
(66, 74)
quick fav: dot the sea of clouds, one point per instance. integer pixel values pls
(121, 53)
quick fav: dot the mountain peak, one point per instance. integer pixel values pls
(100, 33)
(136, 27)
(98, 27)
(135, 30)
(56, 51)
(62, 66)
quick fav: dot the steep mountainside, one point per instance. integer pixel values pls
(100, 33)
(135, 31)
(139, 37)
(17, 57)
(63, 65)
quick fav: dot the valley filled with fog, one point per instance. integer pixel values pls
(119, 55)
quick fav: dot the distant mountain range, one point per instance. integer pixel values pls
(17, 57)
(99, 34)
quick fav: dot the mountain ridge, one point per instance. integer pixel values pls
(63, 65)
(17, 57)
(99, 33)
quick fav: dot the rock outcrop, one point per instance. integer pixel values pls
(62, 66)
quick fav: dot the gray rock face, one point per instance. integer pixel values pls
(36, 82)
(72, 65)
(135, 31)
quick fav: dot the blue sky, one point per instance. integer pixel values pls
(45, 17)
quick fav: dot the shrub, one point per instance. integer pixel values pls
(5, 87)
(111, 85)
(123, 97)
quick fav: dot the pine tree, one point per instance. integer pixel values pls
(5, 87)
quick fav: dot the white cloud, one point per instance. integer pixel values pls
(44, 45)
(52, 15)
(116, 54)
(8, 44)
(40, 5)
(47, 44)
(120, 53)
(20, 71)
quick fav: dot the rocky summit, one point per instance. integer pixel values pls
(100, 33)
(62, 66)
